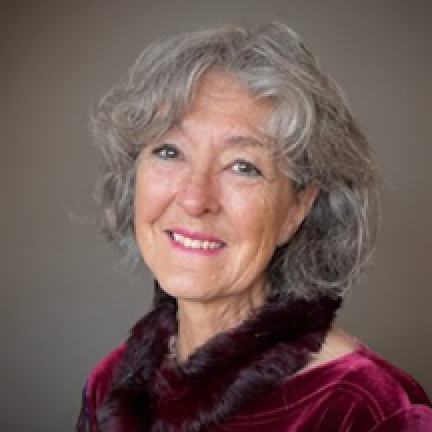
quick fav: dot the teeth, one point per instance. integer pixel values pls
(194, 243)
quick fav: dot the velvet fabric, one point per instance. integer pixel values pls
(250, 379)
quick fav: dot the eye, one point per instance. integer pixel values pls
(246, 168)
(166, 151)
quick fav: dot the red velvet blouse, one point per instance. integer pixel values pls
(359, 391)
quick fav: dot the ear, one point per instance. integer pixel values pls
(297, 213)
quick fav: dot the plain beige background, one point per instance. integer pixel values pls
(62, 305)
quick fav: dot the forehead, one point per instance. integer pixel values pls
(223, 97)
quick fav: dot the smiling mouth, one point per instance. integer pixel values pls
(195, 243)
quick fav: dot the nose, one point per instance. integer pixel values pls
(197, 194)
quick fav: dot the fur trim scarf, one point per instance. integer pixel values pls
(151, 392)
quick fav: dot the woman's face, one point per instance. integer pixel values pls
(211, 205)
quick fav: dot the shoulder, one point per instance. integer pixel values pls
(354, 390)
(97, 386)
(362, 389)
(99, 380)
(348, 363)
(370, 376)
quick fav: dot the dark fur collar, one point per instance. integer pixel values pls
(230, 372)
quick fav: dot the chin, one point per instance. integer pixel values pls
(185, 290)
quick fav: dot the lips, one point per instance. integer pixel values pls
(195, 241)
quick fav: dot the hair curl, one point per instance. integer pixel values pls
(317, 142)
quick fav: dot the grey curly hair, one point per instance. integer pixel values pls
(317, 142)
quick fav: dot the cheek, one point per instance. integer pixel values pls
(253, 213)
(152, 195)
(262, 215)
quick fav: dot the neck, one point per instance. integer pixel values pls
(200, 321)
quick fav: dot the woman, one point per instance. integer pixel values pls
(234, 169)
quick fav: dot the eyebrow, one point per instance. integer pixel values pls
(236, 140)
(242, 141)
